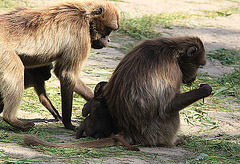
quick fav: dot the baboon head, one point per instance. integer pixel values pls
(191, 56)
(104, 21)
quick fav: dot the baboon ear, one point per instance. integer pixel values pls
(192, 51)
(97, 11)
(98, 86)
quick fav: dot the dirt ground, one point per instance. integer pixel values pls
(223, 33)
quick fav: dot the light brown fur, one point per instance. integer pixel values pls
(63, 34)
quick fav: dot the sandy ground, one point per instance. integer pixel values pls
(223, 33)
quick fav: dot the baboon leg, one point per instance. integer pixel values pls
(183, 100)
(12, 88)
(41, 92)
(67, 97)
(67, 83)
(1, 104)
(81, 129)
(83, 90)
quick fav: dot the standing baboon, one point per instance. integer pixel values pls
(63, 34)
(36, 78)
(98, 124)
(143, 94)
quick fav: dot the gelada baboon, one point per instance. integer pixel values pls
(63, 34)
(98, 123)
(143, 95)
(36, 78)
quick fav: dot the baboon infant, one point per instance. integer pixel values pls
(98, 124)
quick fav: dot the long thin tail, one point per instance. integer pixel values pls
(32, 140)
(124, 143)
(105, 142)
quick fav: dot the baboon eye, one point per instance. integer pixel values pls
(98, 11)
(192, 50)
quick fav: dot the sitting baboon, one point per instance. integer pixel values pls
(143, 95)
(98, 124)
(61, 34)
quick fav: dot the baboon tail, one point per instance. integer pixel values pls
(124, 143)
(32, 140)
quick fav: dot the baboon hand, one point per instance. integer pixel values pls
(206, 88)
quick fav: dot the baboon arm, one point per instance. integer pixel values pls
(183, 100)
(82, 89)
(41, 92)
(47, 104)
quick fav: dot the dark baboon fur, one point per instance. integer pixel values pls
(98, 124)
(143, 94)
(36, 78)
(61, 34)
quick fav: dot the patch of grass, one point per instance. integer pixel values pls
(227, 85)
(6, 4)
(9, 4)
(223, 12)
(3, 156)
(139, 27)
(229, 57)
(220, 149)
(169, 20)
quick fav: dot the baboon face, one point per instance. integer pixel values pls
(101, 27)
(189, 62)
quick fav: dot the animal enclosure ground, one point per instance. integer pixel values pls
(212, 126)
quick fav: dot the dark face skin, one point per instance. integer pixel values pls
(101, 32)
(100, 43)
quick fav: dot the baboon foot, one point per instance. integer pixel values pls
(21, 125)
(70, 126)
(57, 118)
(179, 141)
